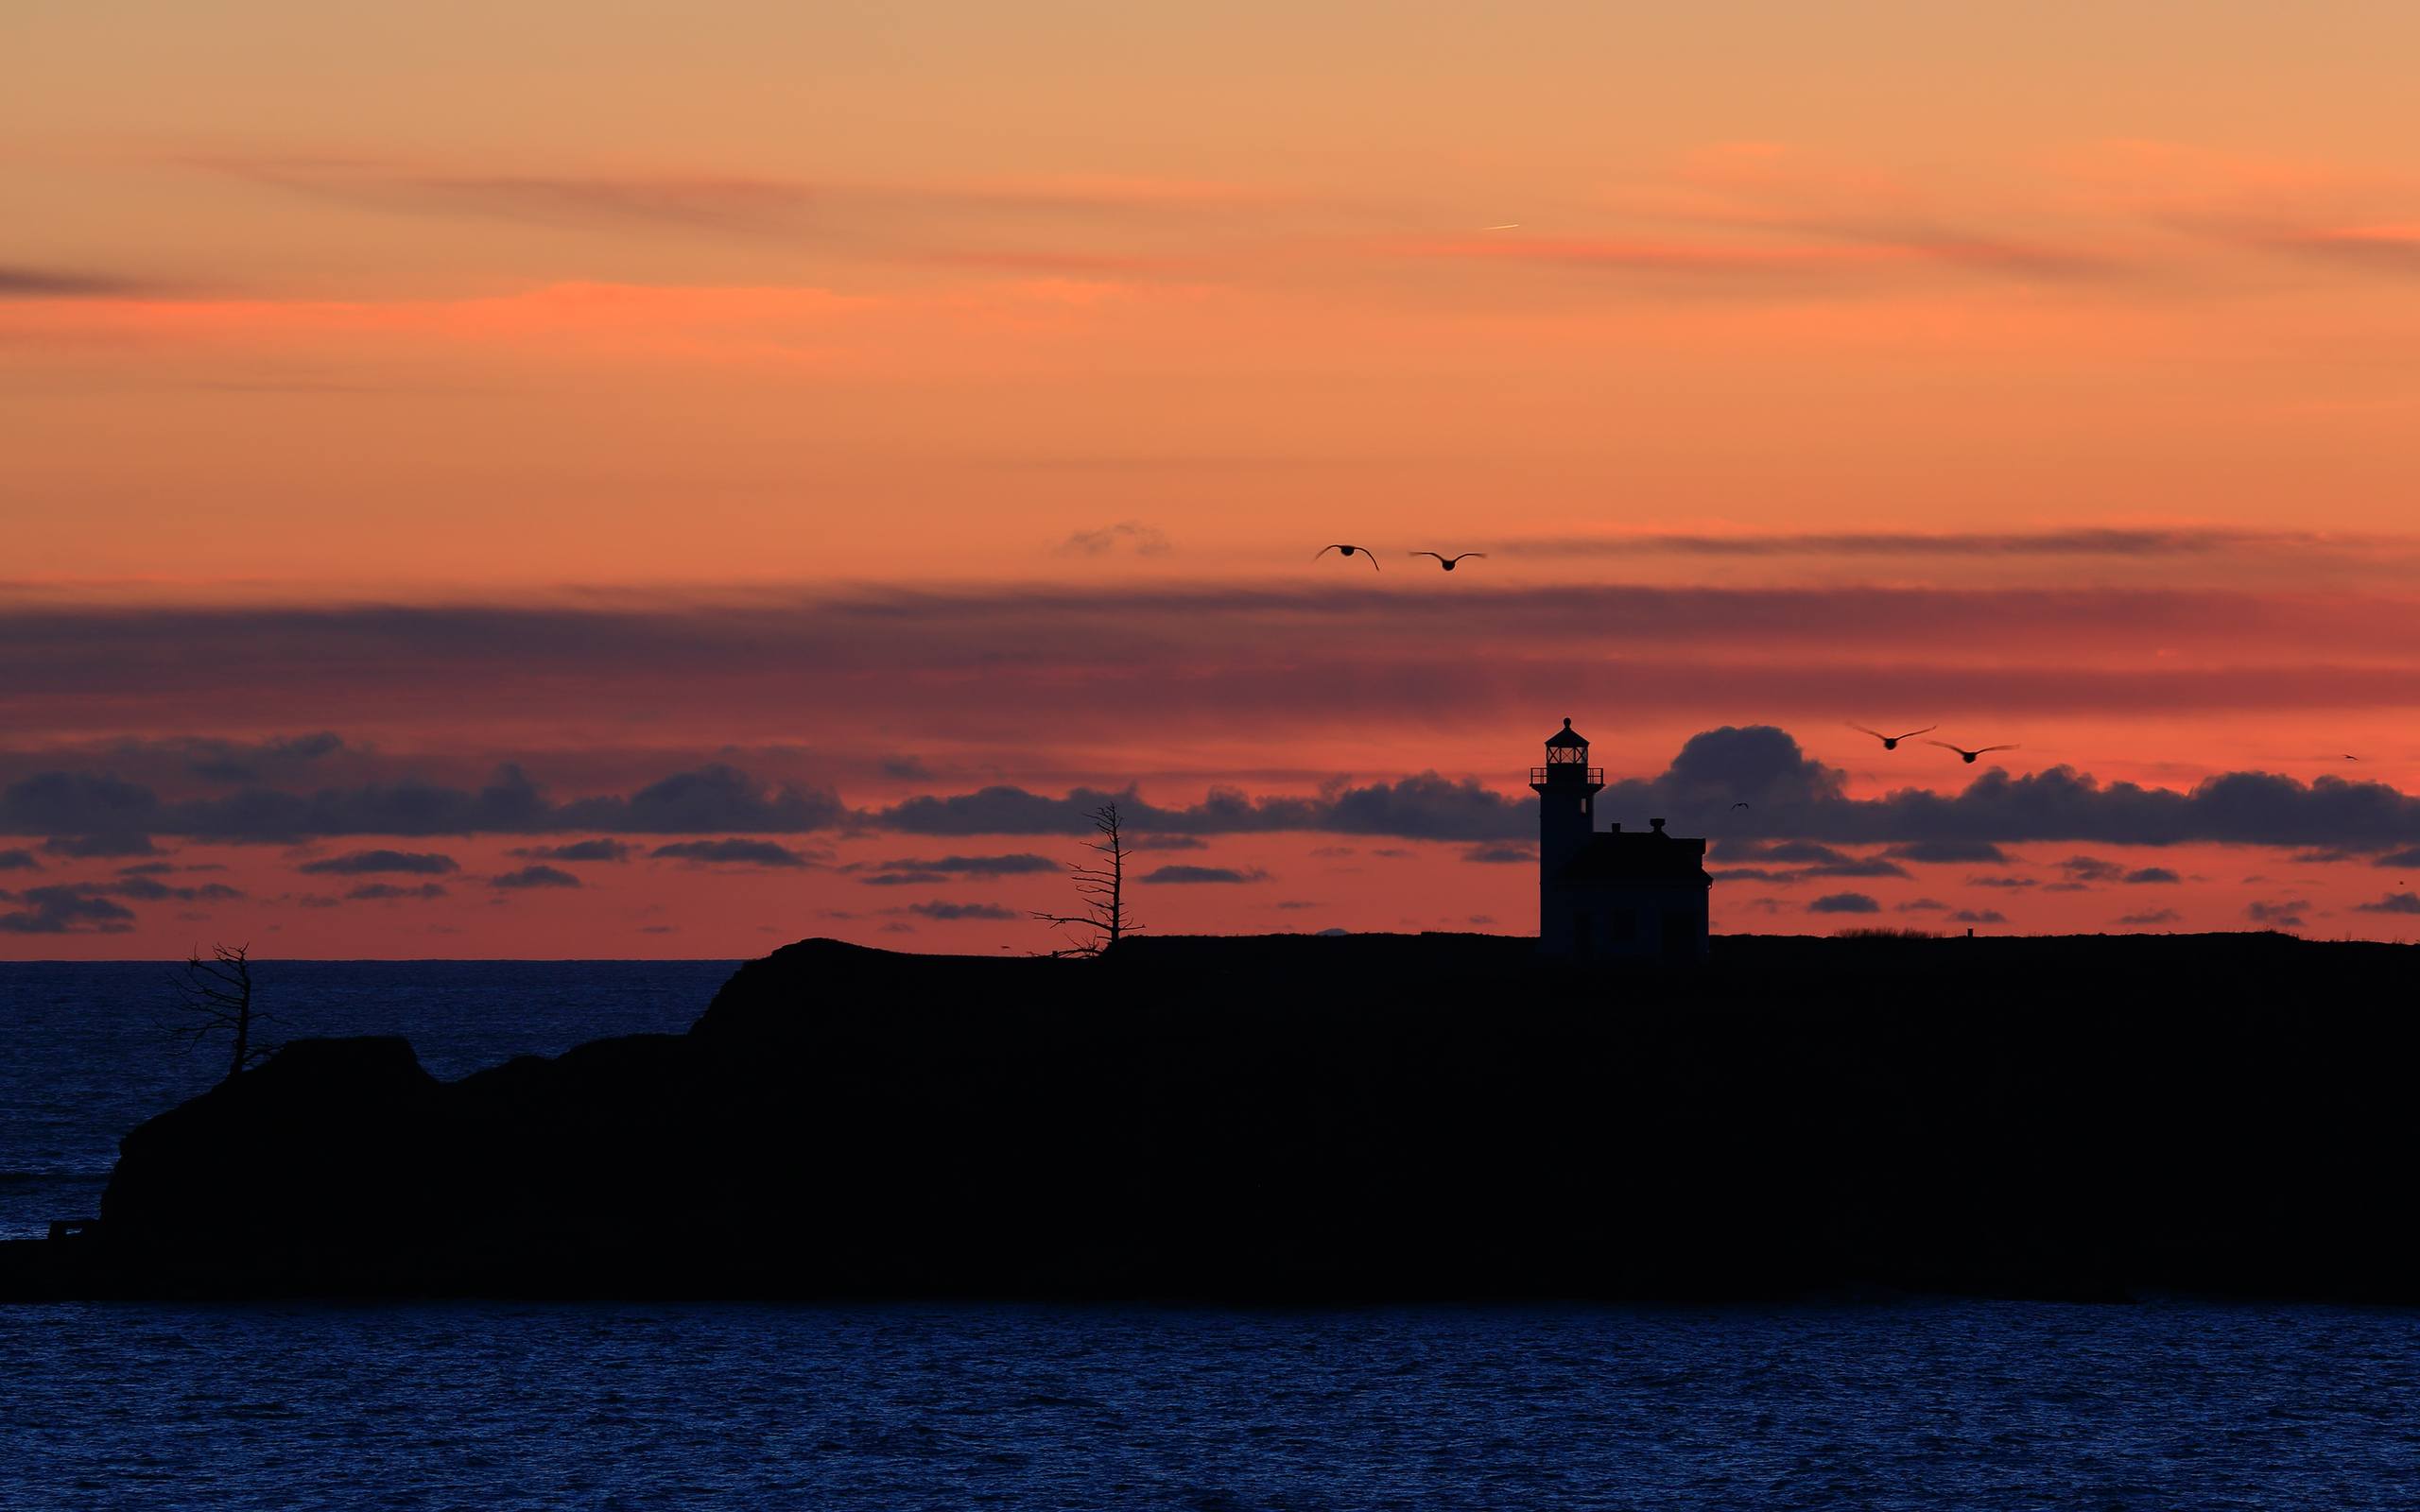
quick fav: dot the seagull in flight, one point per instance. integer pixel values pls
(1966, 755)
(1349, 551)
(1448, 563)
(1741, 805)
(1891, 741)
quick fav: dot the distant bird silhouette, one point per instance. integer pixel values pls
(1741, 805)
(2352, 758)
(1891, 741)
(1349, 551)
(1966, 755)
(1448, 563)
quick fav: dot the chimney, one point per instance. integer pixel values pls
(1657, 825)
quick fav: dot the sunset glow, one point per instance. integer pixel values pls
(662, 480)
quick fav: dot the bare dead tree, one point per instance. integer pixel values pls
(218, 995)
(1102, 888)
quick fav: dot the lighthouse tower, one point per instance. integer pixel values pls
(1567, 786)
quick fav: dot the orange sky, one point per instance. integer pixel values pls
(907, 399)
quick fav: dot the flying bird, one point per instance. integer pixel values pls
(1446, 563)
(1349, 551)
(1891, 741)
(1966, 755)
(1739, 805)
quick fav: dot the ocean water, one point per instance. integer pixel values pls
(88, 1055)
(1902, 1403)
(1928, 1405)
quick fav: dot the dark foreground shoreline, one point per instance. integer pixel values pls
(1361, 1119)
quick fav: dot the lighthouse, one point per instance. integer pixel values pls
(1610, 895)
(1567, 786)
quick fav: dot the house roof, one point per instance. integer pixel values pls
(1637, 856)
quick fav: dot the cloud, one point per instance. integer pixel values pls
(2142, 875)
(729, 205)
(2002, 882)
(911, 767)
(227, 761)
(387, 891)
(2251, 808)
(101, 806)
(840, 215)
(361, 863)
(2408, 858)
(728, 853)
(1094, 660)
(2283, 915)
(1502, 853)
(97, 847)
(535, 876)
(1204, 874)
(1970, 915)
(712, 798)
(1806, 850)
(1857, 867)
(1845, 903)
(66, 911)
(1928, 852)
(1796, 800)
(577, 850)
(2091, 868)
(1174, 842)
(2081, 542)
(1869, 255)
(1426, 807)
(1015, 863)
(2394, 902)
(151, 890)
(18, 861)
(22, 282)
(1817, 859)
(2157, 916)
(1131, 535)
(2387, 251)
(948, 911)
(1922, 905)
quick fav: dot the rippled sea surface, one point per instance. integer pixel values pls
(1903, 1404)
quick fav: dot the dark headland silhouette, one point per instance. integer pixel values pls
(1343, 1118)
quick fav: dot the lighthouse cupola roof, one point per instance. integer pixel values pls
(1567, 739)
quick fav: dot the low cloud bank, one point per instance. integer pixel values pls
(1795, 806)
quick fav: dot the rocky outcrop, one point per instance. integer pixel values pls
(1369, 1117)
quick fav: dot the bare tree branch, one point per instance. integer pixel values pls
(1103, 890)
(218, 995)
